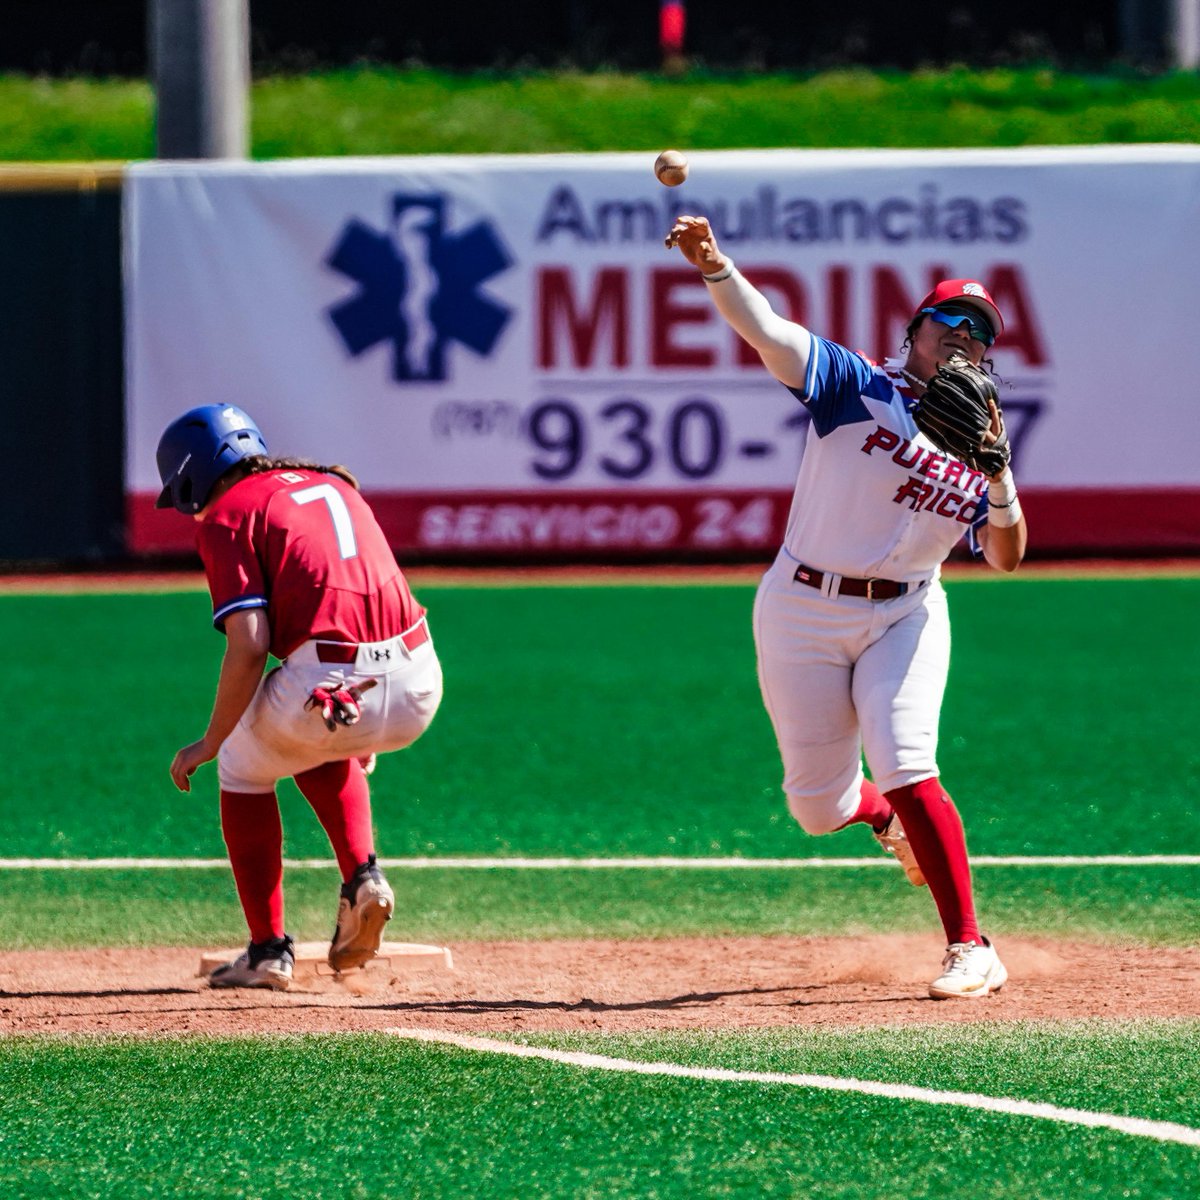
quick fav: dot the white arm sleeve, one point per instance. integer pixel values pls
(783, 345)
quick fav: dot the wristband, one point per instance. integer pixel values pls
(1004, 508)
(723, 273)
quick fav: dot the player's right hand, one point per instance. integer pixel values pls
(697, 243)
(187, 760)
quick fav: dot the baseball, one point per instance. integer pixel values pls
(671, 167)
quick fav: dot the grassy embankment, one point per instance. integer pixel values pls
(423, 112)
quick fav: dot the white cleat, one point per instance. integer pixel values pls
(894, 841)
(260, 965)
(969, 971)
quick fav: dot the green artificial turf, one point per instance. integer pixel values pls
(1093, 1065)
(627, 720)
(368, 1115)
(1155, 905)
(371, 111)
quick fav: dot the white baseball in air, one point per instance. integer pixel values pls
(671, 167)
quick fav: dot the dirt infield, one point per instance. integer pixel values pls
(603, 986)
(598, 986)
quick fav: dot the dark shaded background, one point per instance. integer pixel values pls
(109, 38)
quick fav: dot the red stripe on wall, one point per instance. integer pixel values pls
(1120, 520)
(453, 526)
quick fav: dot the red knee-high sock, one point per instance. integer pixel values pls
(874, 809)
(935, 832)
(340, 797)
(254, 836)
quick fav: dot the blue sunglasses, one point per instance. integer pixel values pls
(954, 317)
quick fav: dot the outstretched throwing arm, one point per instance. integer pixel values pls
(783, 345)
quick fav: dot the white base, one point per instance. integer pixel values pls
(312, 958)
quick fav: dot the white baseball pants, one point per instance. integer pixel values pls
(845, 675)
(277, 738)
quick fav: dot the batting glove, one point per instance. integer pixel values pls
(338, 704)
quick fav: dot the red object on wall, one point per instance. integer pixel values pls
(672, 22)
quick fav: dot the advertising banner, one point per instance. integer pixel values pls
(512, 363)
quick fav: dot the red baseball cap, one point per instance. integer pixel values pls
(966, 291)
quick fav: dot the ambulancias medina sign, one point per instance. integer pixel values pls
(640, 326)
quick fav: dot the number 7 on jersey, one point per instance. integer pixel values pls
(343, 527)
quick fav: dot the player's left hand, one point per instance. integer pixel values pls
(994, 434)
(960, 413)
(187, 760)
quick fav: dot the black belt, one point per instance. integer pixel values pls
(871, 589)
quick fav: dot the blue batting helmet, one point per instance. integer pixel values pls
(198, 448)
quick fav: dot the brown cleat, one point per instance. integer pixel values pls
(365, 906)
(895, 842)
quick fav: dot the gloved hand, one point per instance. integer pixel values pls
(959, 413)
(338, 702)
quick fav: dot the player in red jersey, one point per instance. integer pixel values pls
(299, 568)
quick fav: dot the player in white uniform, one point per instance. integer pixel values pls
(850, 622)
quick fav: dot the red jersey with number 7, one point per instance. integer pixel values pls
(305, 546)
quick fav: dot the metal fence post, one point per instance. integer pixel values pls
(1186, 35)
(200, 61)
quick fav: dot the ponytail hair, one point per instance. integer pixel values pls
(256, 464)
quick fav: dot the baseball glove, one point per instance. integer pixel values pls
(954, 415)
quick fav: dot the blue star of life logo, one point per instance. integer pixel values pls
(418, 287)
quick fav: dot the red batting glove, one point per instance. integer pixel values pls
(339, 704)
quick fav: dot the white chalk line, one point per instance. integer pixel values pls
(494, 863)
(1162, 1131)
